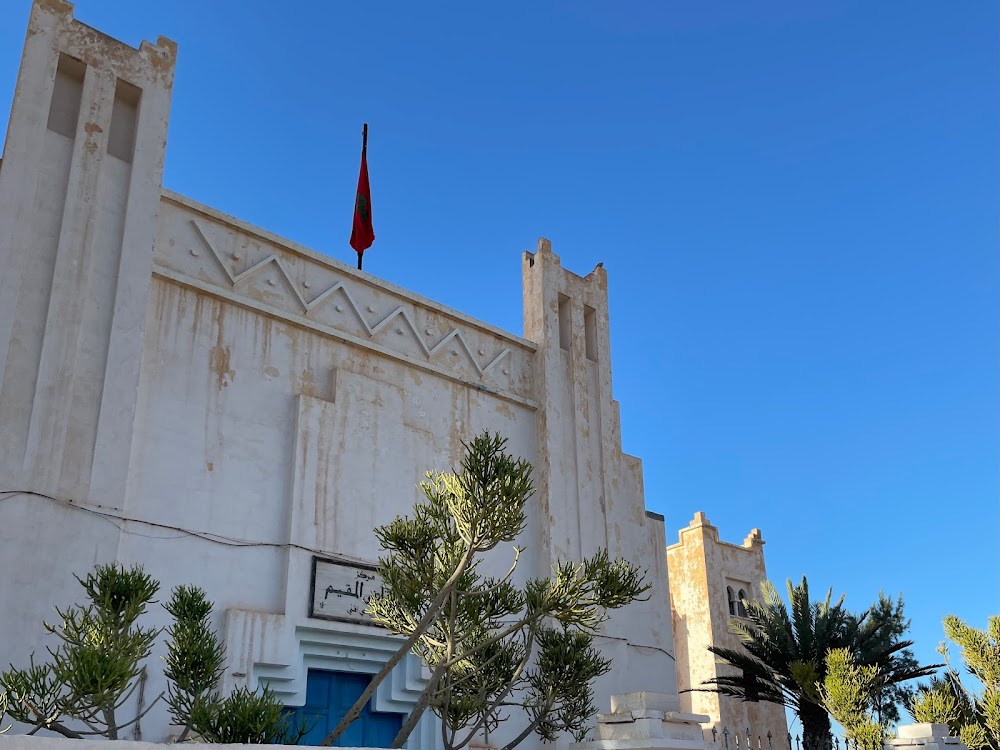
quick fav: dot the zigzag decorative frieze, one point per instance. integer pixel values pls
(454, 337)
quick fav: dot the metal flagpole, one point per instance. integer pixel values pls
(364, 154)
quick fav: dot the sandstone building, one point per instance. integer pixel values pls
(709, 579)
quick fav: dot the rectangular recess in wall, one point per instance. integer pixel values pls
(64, 109)
(124, 115)
(565, 322)
(590, 331)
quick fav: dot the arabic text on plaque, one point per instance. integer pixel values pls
(340, 591)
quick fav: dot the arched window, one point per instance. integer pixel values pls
(740, 607)
(732, 601)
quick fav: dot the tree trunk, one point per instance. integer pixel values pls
(109, 719)
(418, 710)
(815, 727)
(432, 611)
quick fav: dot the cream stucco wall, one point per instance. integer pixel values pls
(701, 568)
(186, 391)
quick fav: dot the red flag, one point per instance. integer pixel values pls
(363, 233)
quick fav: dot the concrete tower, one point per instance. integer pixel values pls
(591, 493)
(708, 578)
(79, 191)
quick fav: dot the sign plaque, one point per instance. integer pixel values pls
(340, 590)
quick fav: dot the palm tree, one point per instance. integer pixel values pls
(783, 656)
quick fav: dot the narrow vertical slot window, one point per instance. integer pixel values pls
(590, 331)
(64, 109)
(124, 113)
(565, 322)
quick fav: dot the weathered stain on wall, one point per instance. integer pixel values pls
(202, 249)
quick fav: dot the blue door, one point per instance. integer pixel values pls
(329, 696)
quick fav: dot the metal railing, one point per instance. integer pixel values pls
(736, 740)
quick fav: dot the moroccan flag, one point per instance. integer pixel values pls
(363, 233)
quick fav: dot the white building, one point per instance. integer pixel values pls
(181, 389)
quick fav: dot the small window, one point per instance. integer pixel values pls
(590, 331)
(67, 91)
(124, 118)
(565, 322)
(740, 606)
(732, 601)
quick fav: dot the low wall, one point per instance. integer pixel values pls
(24, 742)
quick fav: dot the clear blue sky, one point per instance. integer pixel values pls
(796, 203)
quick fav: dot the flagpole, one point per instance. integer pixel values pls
(364, 151)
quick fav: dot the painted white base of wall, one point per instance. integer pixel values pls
(24, 742)
(927, 736)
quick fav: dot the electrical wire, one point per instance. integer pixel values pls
(637, 645)
(205, 535)
(229, 542)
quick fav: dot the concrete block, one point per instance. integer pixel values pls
(663, 743)
(648, 713)
(619, 718)
(643, 700)
(922, 731)
(688, 717)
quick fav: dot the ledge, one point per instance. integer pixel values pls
(344, 268)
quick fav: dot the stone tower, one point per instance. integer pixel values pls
(592, 492)
(79, 191)
(708, 577)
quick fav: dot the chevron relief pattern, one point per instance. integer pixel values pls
(454, 337)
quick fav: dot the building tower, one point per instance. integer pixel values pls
(708, 579)
(79, 191)
(591, 492)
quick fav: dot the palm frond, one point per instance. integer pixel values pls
(783, 648)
